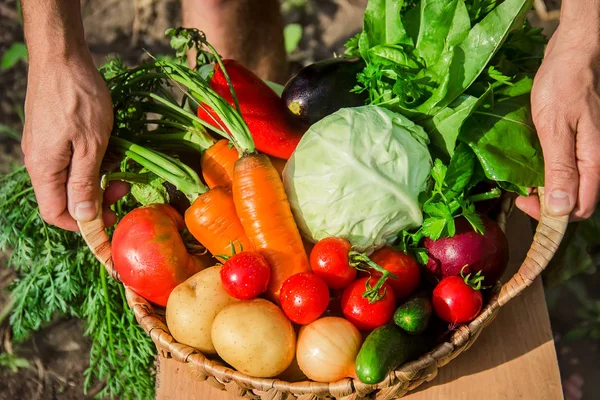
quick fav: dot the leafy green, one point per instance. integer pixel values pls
(58, 275)
(15, 53)
(382, 23)
(292, 34)
(447, 199)
(13, 362)
(505, 142)
(444, 127)
(152, 193)
(460, 69)
(483, 41)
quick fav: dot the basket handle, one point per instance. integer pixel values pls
(548, 235)
(94, 234)
(547, 238)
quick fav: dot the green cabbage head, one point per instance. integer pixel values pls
(357, 174)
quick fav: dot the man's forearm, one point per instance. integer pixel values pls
(582, 13)
(53, 28)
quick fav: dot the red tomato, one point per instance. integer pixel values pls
(304, 297)
(455, 301)
(364, 314)
(329, 260)
(245, 275)
(149, 253)
(404, 266)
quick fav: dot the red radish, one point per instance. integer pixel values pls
(304, 297)
(487, 253)
(329, 260)
(245, 275)
(457, 300)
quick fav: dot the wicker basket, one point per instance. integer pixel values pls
(548, 235)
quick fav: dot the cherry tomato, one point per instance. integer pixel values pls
(364, 314)
(304, 297)
(329, 260)
(455, 301)
(245, 275)
(404, 266)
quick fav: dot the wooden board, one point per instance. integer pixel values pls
(514, 358)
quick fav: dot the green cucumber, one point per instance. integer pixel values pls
(385, 349)
(413, 315)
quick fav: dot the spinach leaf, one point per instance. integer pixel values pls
(511, 187)
(388, 54)
(444, 127)
(438, 70)
(505, 142)
(443, 24)
(382, 23)
(483, 41)
(519, 86)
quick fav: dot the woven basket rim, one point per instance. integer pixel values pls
(408, 376)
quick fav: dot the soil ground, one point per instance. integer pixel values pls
(58, 354)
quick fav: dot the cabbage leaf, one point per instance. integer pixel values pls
(357, 174)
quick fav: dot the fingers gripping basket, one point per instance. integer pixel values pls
(547, 237)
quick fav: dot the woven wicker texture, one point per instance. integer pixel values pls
(548, 235)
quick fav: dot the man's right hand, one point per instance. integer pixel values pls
(68, 122)
(68, 116)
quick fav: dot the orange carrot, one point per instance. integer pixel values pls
(265, 214)
(213, 221)
(217, 164)
(258, 194)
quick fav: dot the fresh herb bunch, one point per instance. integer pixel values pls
(58, 275)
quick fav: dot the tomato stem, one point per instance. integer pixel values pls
(476, 281)
(371, 293)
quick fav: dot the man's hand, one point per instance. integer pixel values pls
(68, 122)
(565, 104)
(68, 116)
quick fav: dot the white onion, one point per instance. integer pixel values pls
(327, 349)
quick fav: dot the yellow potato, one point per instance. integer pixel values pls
(255, 337)
(193, 306)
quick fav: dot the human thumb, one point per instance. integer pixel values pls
(83, 184)
(562, 176)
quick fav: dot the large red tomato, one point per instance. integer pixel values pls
(149, 253)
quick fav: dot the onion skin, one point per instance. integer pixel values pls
(327, 349)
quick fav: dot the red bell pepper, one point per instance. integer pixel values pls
(273, 128)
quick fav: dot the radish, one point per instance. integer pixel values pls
(487, 253)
